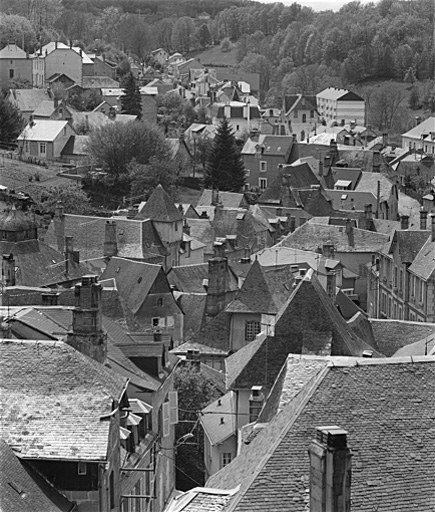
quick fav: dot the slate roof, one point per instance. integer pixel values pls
(160, 207)
(49, 379)
(300, 101)
(193, 307)
(409, 243)
(215, 332)
(350, 199)
(311, 236)
(424, 263)
(306, 320)
(24, 490)
(392, 335)
(218, 419)
(227, 199)
(190, 278)
(28, 99)
(12, 51)
(265, 290)
(98, 82)
(426, 126)
(369, 183)
(137, 239)
(201, 499)
(392, 445)
(133, 280)
(44, 109)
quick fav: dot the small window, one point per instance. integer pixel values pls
(263, 166)
(304, 118)
(252, 328)
(4, 235)
(112, 490)
(295, 114)
(81, 468)
(11, 73)
(42, 148)
(311, 114)
(155, 321)
(262, 183)
(160, 302)
(227, 457)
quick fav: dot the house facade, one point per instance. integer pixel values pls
(421, 137)
(340, 106)
(242, 117)
(56, 57)
(15, 64)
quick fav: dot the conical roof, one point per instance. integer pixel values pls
(160, 207)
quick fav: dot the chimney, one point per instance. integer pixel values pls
(214, 196)
(320, 169)
(87, 334)
(327, 162)
(385, 140)
(368, 212)
(69, 249)
(217, 282)
(404, 222)
(110, 245)
(256, 400)
(294, 138)
(331, 283)
(55, 44)
(378, 199)
(50, 299)
(349, 232)
(423, 218)
(433, 227)
(376, 161)
(8, 270)
(328, 250)
(59, 226)
(330, 471)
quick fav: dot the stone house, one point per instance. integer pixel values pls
(15, 64)
(56, 57)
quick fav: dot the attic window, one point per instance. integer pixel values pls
(343, 197)
(81, 468)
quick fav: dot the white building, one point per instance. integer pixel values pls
(421, 136)
(340, 106)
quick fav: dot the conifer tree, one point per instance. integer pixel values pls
(224, 168)
(131, 102)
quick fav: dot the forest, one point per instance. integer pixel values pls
(292, 47)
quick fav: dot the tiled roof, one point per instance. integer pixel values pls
(428, 125)
(28, 99)
(227, 199)
(215, 332)
(239, 222)
(311, 236)
(201, 499)
(409, 243)
(202, 349)
(133, 280)
(264, 290)
(12, 51)
(160, 207)
(369, 183)
(52, 400)
(43, 129)
(219, 418)
(202, 230)
(350, 199)
(392, 335)
(388, 409)
(44, 109)
(135, 239)
(424, 263)
(24, 490)
(348, 174)
(98, 82)
(193, 307)
(301, 101)
(190, 278)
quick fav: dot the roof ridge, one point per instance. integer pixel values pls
(309, 389)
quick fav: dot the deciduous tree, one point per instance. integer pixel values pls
(131, 102)
(11, 121)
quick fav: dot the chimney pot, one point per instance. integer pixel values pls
(404, 221)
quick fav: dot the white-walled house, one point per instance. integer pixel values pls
(44, 139)
(421, 137)
(340, 106)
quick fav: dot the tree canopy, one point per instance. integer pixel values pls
(131, 101)
(224, 168)
(11, 121)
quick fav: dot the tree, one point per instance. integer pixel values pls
(414, 99)
(385, 105)
(113, 146)
(182, 33)
(144, 178)
(204, 37)
(131, 102)
(11, 121)
(16, 29)
(224, 168)
(194, 393)
(73, 198)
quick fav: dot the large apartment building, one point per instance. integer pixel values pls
(340, 106)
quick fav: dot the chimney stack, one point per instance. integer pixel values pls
(423, 218)
(331, 283)
(87, 334)
(214, 196)
(404, 222)
(59, 226)
(8, 270)
(433, 227)
(376, 161)
(110, 245)
(328, 250)
(217, 281)
(320, 168)
(330, 471)
(256, 400)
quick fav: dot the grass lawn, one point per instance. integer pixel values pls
(215, 57)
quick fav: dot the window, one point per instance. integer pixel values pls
(262, 183)
(421, 290)
(166, 412)
(395, 276)
(155, 321)
(227, 457)
(304, 118)
(263, 166)
(81, 468)
(42, 148)
(311, 114)
(252, 328)
(401, 280)
(160, 302)
(11, 73)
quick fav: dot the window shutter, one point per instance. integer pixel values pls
(166, 412)
(173, 405)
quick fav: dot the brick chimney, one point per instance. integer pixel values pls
(87, 334)
(423, 218)
(110, 245)
(8, 270)
(376, 161)
(59, 226)
(404, 222)
(328, 249)
(217, 282)
(331, 283)
(330, 471)
(349, 232)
